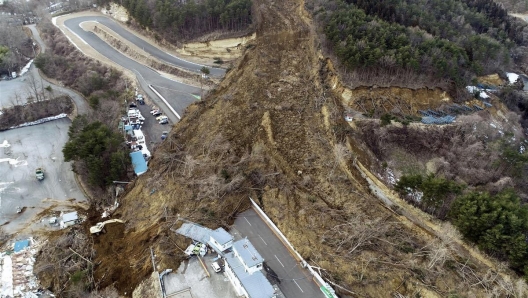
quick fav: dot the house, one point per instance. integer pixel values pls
(243, 267)
(220, 240)
(68, 219)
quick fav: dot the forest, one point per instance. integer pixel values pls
(176, 20)
(454, 40)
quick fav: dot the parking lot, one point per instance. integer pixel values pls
(151, 128)
(16, 91)
(22, 150)
(190, 280)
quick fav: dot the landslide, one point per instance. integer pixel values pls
(273, 130)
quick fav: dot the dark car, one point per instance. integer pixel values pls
(164, 121)
(164, 135)
(141, 102)
(132, 105)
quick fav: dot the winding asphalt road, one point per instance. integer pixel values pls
(178, 95)
(73, 24)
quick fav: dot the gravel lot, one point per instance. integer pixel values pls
(22, 150)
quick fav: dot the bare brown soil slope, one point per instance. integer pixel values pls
(273, 130)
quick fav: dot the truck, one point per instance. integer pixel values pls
(39, 174)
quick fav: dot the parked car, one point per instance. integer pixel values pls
(216, 267)
(161, 118)
(39, 174)
(141, 102)
(164, 135)
(132, 105)
(164, 121)
(157, 113)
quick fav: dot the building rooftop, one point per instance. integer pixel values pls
(256, 284)
(195, 232)
(247, 252)
(72, 216)
(20, 245)
(221, 236)
(138, 162)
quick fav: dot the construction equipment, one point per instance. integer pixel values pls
(100, 225)
(39, 173)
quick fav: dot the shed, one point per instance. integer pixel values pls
(68, 219)
(21, 245)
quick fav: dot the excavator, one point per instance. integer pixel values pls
(100, 225)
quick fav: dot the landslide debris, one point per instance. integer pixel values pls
(273, 130)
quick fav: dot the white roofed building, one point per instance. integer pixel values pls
(243, 268)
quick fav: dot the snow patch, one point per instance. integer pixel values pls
(6, 289)
(5, 144)
(483, 95)
(472, 89)
(512, 77)
(390, 176)
(14, 162)
(40, 121)
(26, 68)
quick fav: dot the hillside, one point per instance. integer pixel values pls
(414, 43)
(274, 130)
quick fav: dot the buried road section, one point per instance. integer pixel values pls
(295, 282)
(22, 151)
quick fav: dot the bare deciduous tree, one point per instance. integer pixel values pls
(354, 234)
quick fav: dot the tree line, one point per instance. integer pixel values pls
(496, 223)
(451, 40)
(186, 19)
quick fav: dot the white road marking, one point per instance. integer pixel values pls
(298, 285)
(247, 221)
(280, 262)
(262, 239)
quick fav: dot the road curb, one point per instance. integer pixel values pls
(165, 101)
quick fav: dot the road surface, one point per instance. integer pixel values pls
(296, 282)
(141, 43)
(179, 95)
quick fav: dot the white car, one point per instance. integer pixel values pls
(216, 267)
(160, 118)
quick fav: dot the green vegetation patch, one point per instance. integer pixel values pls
(101, 150)
(497, 223)
(448, 39)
